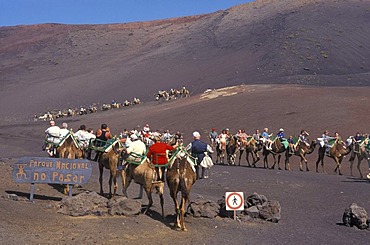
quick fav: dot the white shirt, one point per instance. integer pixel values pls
(137, 147)
(63, 132)
(53, 131)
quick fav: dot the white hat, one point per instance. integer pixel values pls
(281, 130)
(196, 134)
(133, 137)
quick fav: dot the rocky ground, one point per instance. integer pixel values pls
(312, 204)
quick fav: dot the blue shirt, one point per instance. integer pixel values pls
(280, 135)
(265, 135)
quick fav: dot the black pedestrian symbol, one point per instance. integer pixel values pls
(235, 201)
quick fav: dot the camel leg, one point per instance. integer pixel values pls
(182, 214)
(257, 158)
(110, 185)
(287, 164)
(240, 155)
(351, 160)
(273, 166)
(177, 209)
(101, 168)
(358, 167)
(150, 198)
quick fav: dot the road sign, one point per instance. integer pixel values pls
(234, 201)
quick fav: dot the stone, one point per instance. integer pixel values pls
(13, 197)
(223, 212)
(124, 206)
(255, 199)
(271, 211)
(201, 207)
(253, 212)
(355, 216)
(87, 203)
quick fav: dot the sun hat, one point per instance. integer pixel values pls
(133, 137)
(196, 134)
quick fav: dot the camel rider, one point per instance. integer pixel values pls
(84, 137)
(102, 135)
(198, 149)
(291, 144)
(52, 138)
(325, 138)
(158, 155)
(64, 130)
(357, 140)
(266, 138)
(280, 135)
(136, 151)
(303, 137)
(212, 136)
(222, 138)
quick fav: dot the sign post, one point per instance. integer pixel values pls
(234, 201)
(52, 171)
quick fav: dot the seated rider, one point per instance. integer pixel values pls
(52, 138)
(212, 136)
(280, 135)
(136, 150)
(222, 138)
(266, 138)
(102, 134)
(158, 155)
(325, 136)
(291, 144)
(303, 137)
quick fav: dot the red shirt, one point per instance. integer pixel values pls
(157, 153)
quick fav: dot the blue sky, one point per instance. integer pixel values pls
(28, 12)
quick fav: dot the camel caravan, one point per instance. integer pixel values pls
(263, 145)
(151, 159)
(84, 110)
(173, 94)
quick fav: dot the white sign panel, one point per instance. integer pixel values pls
(234, 201)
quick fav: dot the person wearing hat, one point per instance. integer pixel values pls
(198, 149)
(158, 155)
(281, 134)
(136, 150)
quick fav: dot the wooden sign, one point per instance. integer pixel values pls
(52, 170)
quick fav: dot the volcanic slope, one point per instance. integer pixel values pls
(54, 66)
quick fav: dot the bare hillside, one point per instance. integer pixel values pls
(53, 66)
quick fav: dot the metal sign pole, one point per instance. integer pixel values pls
(32, 191)
(70, 190)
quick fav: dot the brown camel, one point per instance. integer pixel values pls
(144, 174)
(301, 150)
(109, 160)
(69, 148)
(250, 146)
(337, 152)
(277, 148)
(359, 151)
(180, 178)
(220, 152)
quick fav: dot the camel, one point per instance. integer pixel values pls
(69, 148)
(109, 160)
(337, 152)
(162, 94)
(300, 150)
(277, 148)
(359, 151)
(250, 146)
(231, 148)
(144, 174)
(221, 151)
(180, 178)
